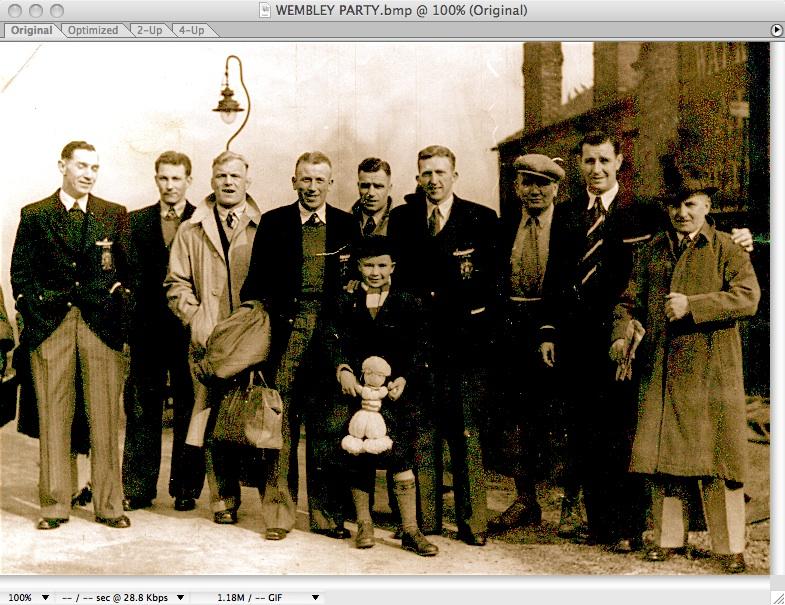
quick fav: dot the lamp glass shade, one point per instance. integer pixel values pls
(228, 116)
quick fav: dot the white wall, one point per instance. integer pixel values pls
(135, 100)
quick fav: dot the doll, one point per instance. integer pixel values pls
(367, 430)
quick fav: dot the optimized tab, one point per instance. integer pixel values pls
(96, 30)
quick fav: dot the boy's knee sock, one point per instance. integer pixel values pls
(406, 494)
(362, 505)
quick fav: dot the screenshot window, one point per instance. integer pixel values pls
(558, 223)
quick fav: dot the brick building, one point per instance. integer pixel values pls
(708, 101)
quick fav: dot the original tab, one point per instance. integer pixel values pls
(39, 31)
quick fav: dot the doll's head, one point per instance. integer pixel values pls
(375, 371)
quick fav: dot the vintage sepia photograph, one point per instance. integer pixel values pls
(384, 308)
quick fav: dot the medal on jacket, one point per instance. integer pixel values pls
(465, 262)
(343, 264)
(107, 262)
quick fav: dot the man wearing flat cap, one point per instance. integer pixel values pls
(525, 234)
(689, 288)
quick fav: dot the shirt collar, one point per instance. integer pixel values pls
(305, 214)
(238, 209)
(69, 201)
(179, 208)
(606, 197)
(445, 206)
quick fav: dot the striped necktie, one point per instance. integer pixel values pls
(592, 257)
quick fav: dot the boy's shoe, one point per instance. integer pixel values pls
(365, 537)
(417, 543)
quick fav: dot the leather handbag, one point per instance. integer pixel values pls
(251, 415)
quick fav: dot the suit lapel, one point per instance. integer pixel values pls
(295, 243)
(95, 228)
(55, 216)
(153, 229)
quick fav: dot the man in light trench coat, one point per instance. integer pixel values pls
(689, 288)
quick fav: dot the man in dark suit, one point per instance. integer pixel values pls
(448, 255)
(299, 264)
(591, 265)
(159, 350)
(69, 272)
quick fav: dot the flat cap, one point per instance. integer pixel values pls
(540, 165)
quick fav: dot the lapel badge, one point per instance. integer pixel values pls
(107, 261)
(465, 262)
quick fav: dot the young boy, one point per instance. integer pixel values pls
(377, 319)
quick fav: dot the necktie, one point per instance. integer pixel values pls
(369, 227)
(683, 245)
(526, 275)
(435, 221)
(313, 221)
(169, 225)
(591, 259)
(75, 218)
(231, 220)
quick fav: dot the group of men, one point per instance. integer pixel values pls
(515, 308)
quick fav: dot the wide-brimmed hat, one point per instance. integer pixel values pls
(685, 180)
(539, 165)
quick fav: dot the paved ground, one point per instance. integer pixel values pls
(162, 541)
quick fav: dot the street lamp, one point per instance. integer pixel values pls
(228, 108)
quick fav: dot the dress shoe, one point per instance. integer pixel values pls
(134, 503)
(518, 514)
(120, 522)
(662, 553)
(734, 563)
(225, 517)
(418, 543)
(184, 504)
(625, 546)
(434, 531)
(472, 539)
(364, 537)
(339, 532)
(275, 533)
(583, 535)
(570, 519)
(44, 523)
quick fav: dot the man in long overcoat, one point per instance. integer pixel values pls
(689, 287)
(207, 267)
